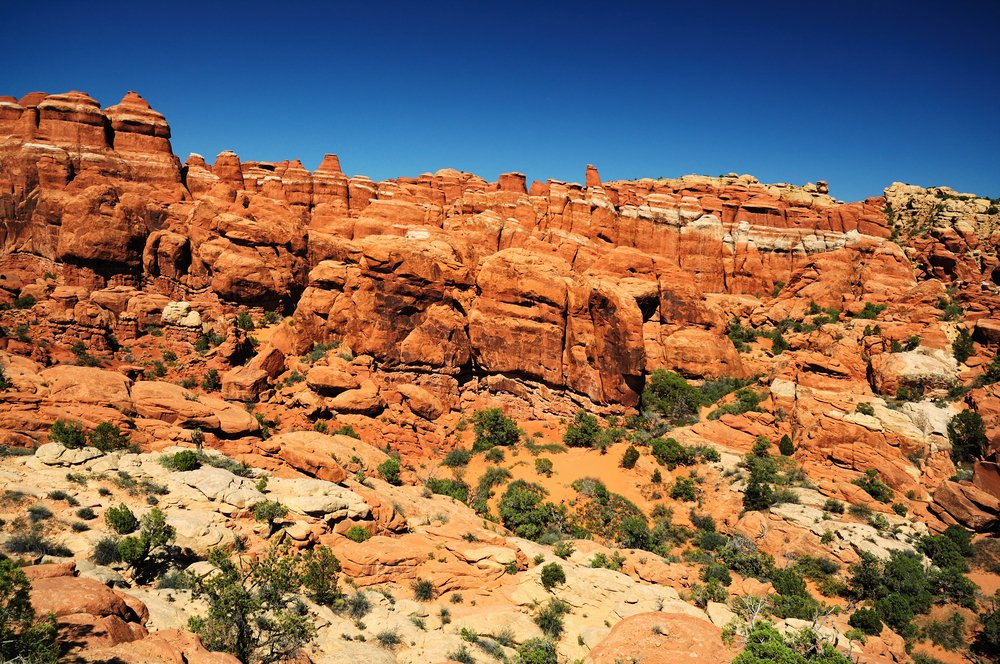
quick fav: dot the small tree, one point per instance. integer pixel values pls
(962, 347)
(251, 608)
(67, 433)
(121, 519)
(629, 458)
(493, 428)
(211, 382)
(109, 438)
(321, 571)
(785, 446)
(268, 511)
(583, 431)
(967, 434)
(552, 575)
(23, 636)
(672, 396)
(537, 651)
(389, 470)
(5, 383)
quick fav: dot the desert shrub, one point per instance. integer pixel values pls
(494, 455)
(38, 513)
(668, 452)
(962, 347)
(251, 608)
(716, 572)
(867, 620)
(712, 591)
(268, 511)
(948, 633)
(182, 461)
(106, 551)
(582, 431)
(457, 458)
(740, 336)
(244, 321)
(563, 549)
(423, 590)
(121, 519)
(109, 438)
(24, 637)
(684, 489)
(389, 470)
(492, 428)
(670, 395)
(67, 433)
(537, 651)
(746, 400)
(85, 513)
(211, 382)
(785, 446)
(871, 311)
(967, 434)
(552, 575)
(874, 487)
(357, 533)
(988, 641)
(457, 489)
(543, 467)
(550, 618)
(865, 409)
(629, 458)
(357, 605)
(523, 511)
(766, 645)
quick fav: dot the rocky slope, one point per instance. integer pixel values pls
(259, 309)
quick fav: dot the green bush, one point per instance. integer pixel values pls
(121, 519)
(23, 636)
(457, 458)
(671, 396)
(867, 621)
(5, 383)
(833, 506)
(583, 431)
(871, 311)
(357, 534)
(523, 511)
(268, 511)
(457, 489)
(109, 438)
(563, 549)
(874, 487)
(785, 446)
(244, 321)
(67, 433)
(252, 611)
(537, 651)
(746, 401)
(543, 467)
(967, 434)
(211, 382)
(865, 409)
(550, 618)
(552, 575)
(684, 489)
(629, 458)
(766, 645)
(423, 590)
(668, 452)
(106, 551)
(185, 460)
(948, 633)
(389, 469)
(962, 347)
(492, 428)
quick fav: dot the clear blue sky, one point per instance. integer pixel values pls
(856, 93)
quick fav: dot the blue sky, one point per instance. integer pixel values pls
(856, 93)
